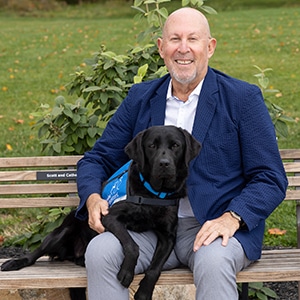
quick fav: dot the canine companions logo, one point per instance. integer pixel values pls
(114, 189)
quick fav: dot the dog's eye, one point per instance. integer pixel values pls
(152, 146)
(175, 145)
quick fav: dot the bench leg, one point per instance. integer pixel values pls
(245, 287)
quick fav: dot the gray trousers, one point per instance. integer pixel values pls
(214, 267)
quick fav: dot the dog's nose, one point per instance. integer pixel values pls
(164, 162)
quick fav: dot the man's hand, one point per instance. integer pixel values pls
(224, 226)
(96, 207)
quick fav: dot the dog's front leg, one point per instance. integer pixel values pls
(164, 247)
(130, 248)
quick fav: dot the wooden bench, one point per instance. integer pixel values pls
(50, 182)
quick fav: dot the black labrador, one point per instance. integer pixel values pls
(156, 181)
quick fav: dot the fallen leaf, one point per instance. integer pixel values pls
(9, 147)
(276, 231)
(19, 121)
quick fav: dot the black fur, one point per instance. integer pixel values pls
(162, 155)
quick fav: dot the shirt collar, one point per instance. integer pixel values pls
(195, 92)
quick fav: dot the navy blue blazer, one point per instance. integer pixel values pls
(239, 167)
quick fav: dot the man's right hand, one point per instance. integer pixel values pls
(96, 207)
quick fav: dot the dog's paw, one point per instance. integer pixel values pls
(142, 295)
(14, 264)
(125, 277)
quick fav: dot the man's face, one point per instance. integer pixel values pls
(186, 47)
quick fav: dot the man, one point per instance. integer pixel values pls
(234, 184)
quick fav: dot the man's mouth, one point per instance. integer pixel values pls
(183, 62)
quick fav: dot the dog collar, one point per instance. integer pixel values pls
(161, 195)
(152, 201)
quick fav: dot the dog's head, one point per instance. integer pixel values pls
(162, 154)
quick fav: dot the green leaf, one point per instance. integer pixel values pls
(90, 141)
(261, 296)
(57, 147)
(281, 128)
(76, 118)
(36, 238)
(60, 100)
(197, 2)
(74, 138)
(139, 9)
(92, 131)
(109, 54)
(185, 2)
(269, 292)
(68, 148)
(163, 12)
(256, 285)
(138, 2)
(108, 64)
(43, 130)
(149, 1)
(264, 81)
(91, 89)
(56, 111)
(68, 112)
(209, 10)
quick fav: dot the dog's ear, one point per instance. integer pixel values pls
(193, 147)
(134, 149)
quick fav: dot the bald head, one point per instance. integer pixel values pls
(185, 16)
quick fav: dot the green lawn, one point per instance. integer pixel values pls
(38, 54)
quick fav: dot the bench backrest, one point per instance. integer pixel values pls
(43, 181)
(50, 181)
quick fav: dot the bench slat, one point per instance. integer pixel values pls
(290, 153)
(6, 176)
(292, 195)
(292, 167)
(294, 181)
(60, 188)
(39, 161)
(46, 274)
(39, 202)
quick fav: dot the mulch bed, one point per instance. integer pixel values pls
(284, 290)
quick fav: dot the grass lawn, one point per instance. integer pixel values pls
(38, 54)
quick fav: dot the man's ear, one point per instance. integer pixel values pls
(193, 147)
(134, 149)
(160, 47)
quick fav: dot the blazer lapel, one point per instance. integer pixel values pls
(206, 106)
(158, 104)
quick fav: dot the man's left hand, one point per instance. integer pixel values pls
(224, 226)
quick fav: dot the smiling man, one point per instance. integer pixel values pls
(233, 185)
(186, 47)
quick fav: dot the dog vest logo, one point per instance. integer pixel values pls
(114, 189)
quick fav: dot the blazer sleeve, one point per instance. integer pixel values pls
(263, 170)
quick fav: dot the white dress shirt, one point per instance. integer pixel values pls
(182, 114)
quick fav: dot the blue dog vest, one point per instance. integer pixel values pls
(115, 190)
